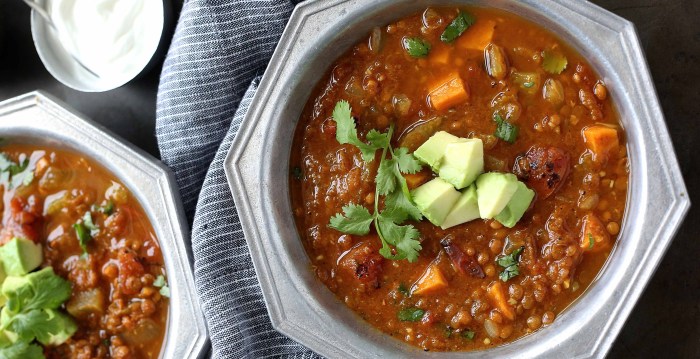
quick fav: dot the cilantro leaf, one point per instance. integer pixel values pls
(510, 263)
(89, 224)
(378, 139)
(22, 349)
(346, 132)
(505, 130)
(469, 334)
(591, 241)
(412, 314)
(553, 61)
(416, 47)
(407, 162)
(403, 290)
(345, 125)
(83, 235)
(355, 220)
(457, 27)
(403, 238)
(386, 180)
(46, 290)
(399, 208)
(108, 208)
(42, 324)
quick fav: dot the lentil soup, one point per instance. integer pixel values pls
(94, 234)
(542, 114)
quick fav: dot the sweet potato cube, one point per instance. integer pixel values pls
(449, 92)
(601, 140)
(594, 236)
(431, 281)
(416, 179)
(439, 56)
(477, 36)
(499, 298)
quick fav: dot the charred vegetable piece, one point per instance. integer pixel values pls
(461, 261)
(543, 169)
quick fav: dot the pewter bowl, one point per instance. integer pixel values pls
(257, 168)
(36, 118)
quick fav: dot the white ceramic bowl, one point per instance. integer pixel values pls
(68, 71)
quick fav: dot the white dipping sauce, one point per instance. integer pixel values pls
(113, 38)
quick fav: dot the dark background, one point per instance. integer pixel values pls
(665, 322)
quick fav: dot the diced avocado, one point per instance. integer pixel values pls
(2, 280)
(465, 209)
(432, 151)
(20, 256)
(516, 207)
(493, 191)
(435, 199)
(463, 162)
(63, 328)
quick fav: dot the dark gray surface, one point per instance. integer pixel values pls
(666, 321)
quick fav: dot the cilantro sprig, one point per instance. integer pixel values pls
(15, 174)
(510, 264)
(399, 241)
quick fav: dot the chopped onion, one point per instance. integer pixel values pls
(491, 328)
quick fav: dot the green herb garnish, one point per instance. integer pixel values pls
(85, 230)
(15, 174)
(403, 290)
(448, 332)
(591, 242)
(457, 27)
(163, 285)
(510, 263)
(107, 208)
(416, 47)
(412, 314)
(505, 130)
(22, 349)
(398, 206)
(553, 61)
(469, 334)
(528, 85)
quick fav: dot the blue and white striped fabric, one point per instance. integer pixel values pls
(219, 51)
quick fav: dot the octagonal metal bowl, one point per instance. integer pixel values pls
(257, 168)
(36, 118)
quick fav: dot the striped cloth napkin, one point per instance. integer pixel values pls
(219, 51)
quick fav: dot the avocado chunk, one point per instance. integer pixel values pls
(465, 209)
(59, 326)
(493, 191)
(516, 207)
(432, 151)
(463, 162)
(435, 199)
(20, 256)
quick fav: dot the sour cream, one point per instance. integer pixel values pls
(113, 38)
